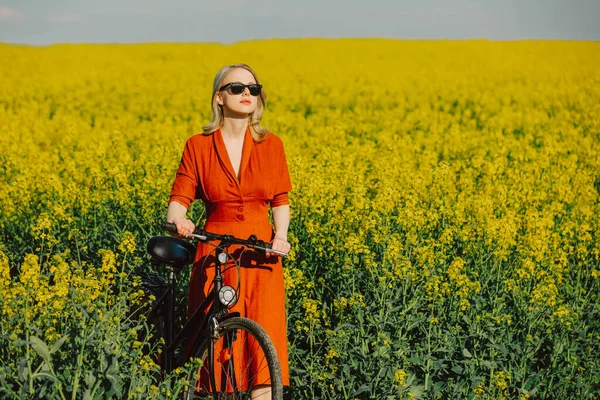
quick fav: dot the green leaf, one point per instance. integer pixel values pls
(90, 379)
(466, 353)
(417, 391)
(115, 387)
(380, 351)
(360, 390)
(45, 375)
(56, 346)
(345, 325)
(40, 347)
(458, 369)
(22, 370)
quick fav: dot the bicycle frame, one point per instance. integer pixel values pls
(217, 310)
(205, 328)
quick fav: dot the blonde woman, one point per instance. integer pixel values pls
(238, 169)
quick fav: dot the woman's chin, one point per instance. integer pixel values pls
(238, 113)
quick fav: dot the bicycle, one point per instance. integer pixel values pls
(221, 332)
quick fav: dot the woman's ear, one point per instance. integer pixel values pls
(219, 99)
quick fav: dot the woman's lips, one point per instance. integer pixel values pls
(245, 101)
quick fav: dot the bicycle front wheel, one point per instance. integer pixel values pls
(244, 364)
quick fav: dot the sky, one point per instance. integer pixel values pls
(43, 22)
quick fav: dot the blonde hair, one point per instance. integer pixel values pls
(258, 132)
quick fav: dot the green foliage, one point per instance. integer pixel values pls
(444, 213)
(67, 333)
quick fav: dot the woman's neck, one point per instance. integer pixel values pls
(234, 128)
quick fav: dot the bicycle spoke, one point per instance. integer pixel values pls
(240, 362)
(262, 366)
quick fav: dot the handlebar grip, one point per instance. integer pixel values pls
(169, 226)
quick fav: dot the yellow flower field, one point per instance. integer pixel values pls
(444, 226)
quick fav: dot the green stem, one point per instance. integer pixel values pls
(133, 373)
(344, 388)
(77, 249)
(79, 363)
(428, 357)
(97, 384)
(29, 374)
(58, 384)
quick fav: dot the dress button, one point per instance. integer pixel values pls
(240, 208)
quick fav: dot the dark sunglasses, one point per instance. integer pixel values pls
(238, 88)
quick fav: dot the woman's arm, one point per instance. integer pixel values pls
(281, 220)
(183, 191)
(176, 214)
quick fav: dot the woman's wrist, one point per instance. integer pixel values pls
(281, 236)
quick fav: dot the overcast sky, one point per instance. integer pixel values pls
(40, 22)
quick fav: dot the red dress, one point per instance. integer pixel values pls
(239, 208)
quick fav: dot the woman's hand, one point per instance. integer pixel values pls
(184, 226)
(279, 243)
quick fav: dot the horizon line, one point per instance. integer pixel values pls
(418, 39)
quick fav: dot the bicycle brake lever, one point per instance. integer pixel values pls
(202, 238)
(269, 250)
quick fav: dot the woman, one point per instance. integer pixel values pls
(237, 168)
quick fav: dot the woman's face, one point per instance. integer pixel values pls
(237, 104)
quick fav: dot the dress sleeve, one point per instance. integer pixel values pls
(186, 179)
(283, 183)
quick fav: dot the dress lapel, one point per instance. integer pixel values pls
(224, 156)
(246, 152)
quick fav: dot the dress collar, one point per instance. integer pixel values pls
(224, 156)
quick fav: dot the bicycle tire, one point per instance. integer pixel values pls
(245, 332)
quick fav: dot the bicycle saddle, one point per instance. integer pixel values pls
(170, 250)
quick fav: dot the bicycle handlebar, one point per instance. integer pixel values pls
(253, 242)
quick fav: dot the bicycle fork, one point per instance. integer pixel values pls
(215, 334)
(226, 359)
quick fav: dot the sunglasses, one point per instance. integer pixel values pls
(238, 88)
